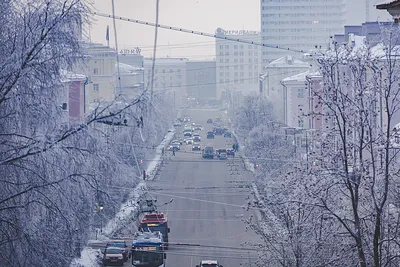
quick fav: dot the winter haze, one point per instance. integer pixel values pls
(200, 15)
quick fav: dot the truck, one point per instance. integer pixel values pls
(147, 250)
(155, 222)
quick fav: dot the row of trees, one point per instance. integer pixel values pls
(345, 211)
(54, 178)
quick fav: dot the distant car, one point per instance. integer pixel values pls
(189, 141)
(209, 121)
(186, 120)
(175, 145)
(113, 256)
(187, 134)
(210, 135)
(177, 124)
(209, 263)
(126, 252)
(222, 155)
(196, 138)
(219, 131)
(227, 134)
(196, 147)
(230, 152)
(198, 127)
(208, 152)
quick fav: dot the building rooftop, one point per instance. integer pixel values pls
(387, 3)
(301, 77)
(287, 62)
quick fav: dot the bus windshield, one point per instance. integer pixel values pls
(145, 257)
(160, 228)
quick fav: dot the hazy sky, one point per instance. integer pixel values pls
(200, 15)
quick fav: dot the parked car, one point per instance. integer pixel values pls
(113, 256)
(209, 263)
(222, 155)
(177, 124)
(126, 252)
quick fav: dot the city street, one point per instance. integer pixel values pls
(209, 203)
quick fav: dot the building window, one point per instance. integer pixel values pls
(235, 60)
(163, 71)
(250, 53)
(241, 81)
(95, 71)
(227, 80)
(227, 74)
(236, 74)
(241, 46)
(235, 47)
(226, 53)
(179, 70)
(241, 53)
(241, 74)
(241, 60)
(95, 87)
(250, 60)
(221, 74)
(221, 47)
(301, 123)
(171, 70)
(235, 67)
(236, 54)
(221, 80)
(227, 67)
(300, 92)
(221, 67)
(300, 109)
(241, 67)
(227, 60)
(221, 60)
(221, 53)
(226, 46)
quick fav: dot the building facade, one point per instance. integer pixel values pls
(169, 77)
(299, 25)
(201, 81)
(274, 73)
(238, 65)
(100, 69)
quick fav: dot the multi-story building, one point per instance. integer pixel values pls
(201, 81)
(135, 68)
(238, 65)
(100, 68)
(299, 25)
(169, 77)
(274, 73)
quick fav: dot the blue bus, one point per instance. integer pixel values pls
(147, 250)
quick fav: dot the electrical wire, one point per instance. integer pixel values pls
(193, 32)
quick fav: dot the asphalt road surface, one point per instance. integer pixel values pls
(208, 214)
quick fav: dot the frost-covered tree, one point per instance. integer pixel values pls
(53, 177)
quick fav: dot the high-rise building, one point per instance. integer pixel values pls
(299, 25)
(238, 64)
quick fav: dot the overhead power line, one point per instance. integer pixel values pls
(193, 32)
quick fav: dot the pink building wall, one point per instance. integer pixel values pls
(76, 100)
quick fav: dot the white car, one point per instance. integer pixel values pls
(209, 263)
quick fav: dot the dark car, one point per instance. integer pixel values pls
(121, 244)
(210, 135)
(209, 121)
(219, 131)
(227, 134)
(113, 256)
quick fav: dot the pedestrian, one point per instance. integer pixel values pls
(162, 151)
(173, 151)
(233, 154)
(144, 174)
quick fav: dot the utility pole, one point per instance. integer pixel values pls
(367, 10)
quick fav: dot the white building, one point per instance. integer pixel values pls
(169, 76)
(238, 65)
(274, 73)
(299, 25)
(101, 72)
(296, 101)
(131, 81)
